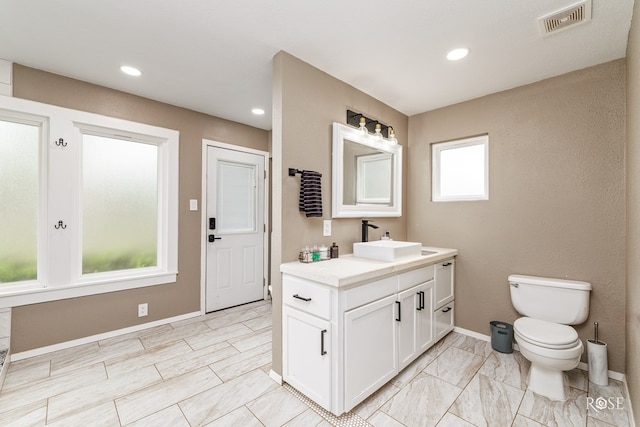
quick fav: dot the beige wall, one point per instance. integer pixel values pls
(556, 196)
(633, 213)
(306, 103)
(45, 324)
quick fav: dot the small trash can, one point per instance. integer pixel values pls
(501, 336)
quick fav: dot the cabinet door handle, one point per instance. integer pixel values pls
(421, 300)
(446, 310)
(322, 350)
(399, 318)
(446, 264)
(302, 298)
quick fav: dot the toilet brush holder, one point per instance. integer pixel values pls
(598, 365)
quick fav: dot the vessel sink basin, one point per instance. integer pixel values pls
(387, 250)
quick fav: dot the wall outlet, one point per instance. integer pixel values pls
(326, 228)
(143, 309)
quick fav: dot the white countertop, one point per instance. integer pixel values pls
(348, 270)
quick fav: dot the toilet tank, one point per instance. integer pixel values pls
(553, 300)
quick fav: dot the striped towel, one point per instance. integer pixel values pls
(311, 193)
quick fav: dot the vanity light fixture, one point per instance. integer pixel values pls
(457, 54)
(367, 126)
(131, 71)
(258, 111)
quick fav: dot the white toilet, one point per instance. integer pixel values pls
(543, 335)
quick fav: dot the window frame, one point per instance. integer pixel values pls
(42, 122)
(60, 254)
(438, 148)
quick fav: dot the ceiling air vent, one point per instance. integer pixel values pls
(570, 16)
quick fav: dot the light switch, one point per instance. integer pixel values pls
(193, 205)
(326, 227)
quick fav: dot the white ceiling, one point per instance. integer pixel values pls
(214, 56)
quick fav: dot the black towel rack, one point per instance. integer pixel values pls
(294, 171)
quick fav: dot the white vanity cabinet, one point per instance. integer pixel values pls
(348, 331)
(444, 305)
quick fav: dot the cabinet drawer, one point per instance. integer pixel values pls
(368, 292)
(444, 278)
(415, 277)
(443, 320)
(306, 296)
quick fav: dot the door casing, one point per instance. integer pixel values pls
(204, 220)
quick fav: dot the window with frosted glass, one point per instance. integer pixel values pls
(19, 199)
(460, 170)
(236, 197)
(119, 204)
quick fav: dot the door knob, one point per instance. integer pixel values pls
(212, 238)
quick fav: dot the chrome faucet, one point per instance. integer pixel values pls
(365, 229)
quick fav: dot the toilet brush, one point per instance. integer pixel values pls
(597, 354)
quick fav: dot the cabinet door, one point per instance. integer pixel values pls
(370, 353)
(415, 328)
(306, 356)
(425, 332)
(407, 323)
(444, 282)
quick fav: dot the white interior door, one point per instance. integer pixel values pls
(235, 228)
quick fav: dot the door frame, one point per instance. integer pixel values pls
(206, 144)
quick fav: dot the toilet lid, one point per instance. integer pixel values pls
(548, 334)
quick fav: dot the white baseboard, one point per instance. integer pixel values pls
(98, 337)
(277, 378)
(611, 374)
(583, 366)
(472, 334)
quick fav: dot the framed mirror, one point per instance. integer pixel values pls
(367, 175)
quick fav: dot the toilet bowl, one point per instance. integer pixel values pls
(543, 335)
(551, 348)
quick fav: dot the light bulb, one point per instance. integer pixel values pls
(363, 126)
(392, 136)
(378, 133)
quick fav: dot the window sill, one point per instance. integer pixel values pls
(15, 298)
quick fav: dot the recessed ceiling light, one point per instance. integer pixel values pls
(258, 111)
(132, 71)
(457, 54)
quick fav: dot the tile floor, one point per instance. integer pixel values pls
(213, 371)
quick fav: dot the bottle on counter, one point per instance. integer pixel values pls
(315, 254)
(333, 251)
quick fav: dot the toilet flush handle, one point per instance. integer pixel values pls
(515, 285)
